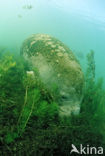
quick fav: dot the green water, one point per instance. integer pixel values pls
(29, 117)
(79, 24)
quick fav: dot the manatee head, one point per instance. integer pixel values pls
(58, 67)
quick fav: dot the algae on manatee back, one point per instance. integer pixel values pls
(57, 66)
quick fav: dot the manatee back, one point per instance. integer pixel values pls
(58, 66)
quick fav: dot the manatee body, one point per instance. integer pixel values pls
(58, 67)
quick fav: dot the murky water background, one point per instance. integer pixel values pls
(79, 24)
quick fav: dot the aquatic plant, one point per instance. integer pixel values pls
(93, 104)
(29, 120)
(90, 73)
(11, 92)
(32, 96)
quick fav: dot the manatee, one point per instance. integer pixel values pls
(58, 67)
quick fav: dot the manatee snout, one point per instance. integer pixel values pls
(57, 66)
(69, 102)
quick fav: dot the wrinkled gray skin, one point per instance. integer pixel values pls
(57, 67)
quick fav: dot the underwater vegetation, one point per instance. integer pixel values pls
(29, 115)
